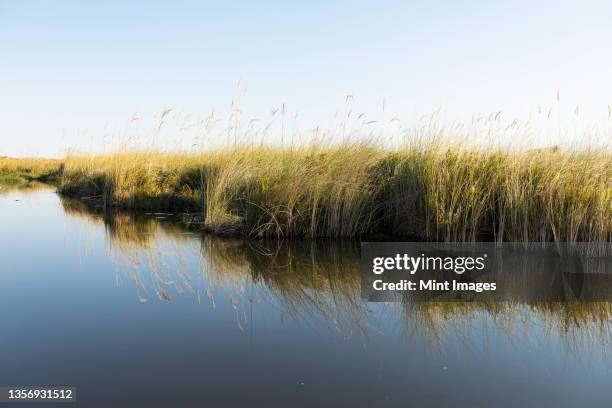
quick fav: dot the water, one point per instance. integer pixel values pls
(136, 311)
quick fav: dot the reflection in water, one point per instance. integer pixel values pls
(23, 188)
(318, 283)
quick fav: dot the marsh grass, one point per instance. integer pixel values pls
(23, 170)
(425, 191)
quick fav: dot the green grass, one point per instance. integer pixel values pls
(19, 171)
(428, 192)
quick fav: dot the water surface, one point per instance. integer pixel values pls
(134, 310)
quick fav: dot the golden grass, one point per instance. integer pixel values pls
(428, 191)
(19, 170)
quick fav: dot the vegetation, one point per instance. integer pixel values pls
(319, 282)
(428, 191)
(18, 171)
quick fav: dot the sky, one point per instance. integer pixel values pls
(73, 72)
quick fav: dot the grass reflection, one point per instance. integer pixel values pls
(317, 282)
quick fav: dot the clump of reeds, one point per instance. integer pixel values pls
(430, 191)
(458, 194)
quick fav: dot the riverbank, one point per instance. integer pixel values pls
(24, 170)
(430, 192)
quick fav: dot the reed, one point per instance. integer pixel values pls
(426, 191)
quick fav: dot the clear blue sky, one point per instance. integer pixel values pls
(68, 69)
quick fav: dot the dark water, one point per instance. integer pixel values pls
(135, 311)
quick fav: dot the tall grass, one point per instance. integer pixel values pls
(19, 170)
(429, 191)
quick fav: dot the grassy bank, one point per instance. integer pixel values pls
(18, 171)
(430, 192)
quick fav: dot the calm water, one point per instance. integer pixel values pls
(135, 311)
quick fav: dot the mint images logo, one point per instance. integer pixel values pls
(412, 264)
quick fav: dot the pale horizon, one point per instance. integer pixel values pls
(74, 75)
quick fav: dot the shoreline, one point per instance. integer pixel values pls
(428, 192)
(424, 193)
